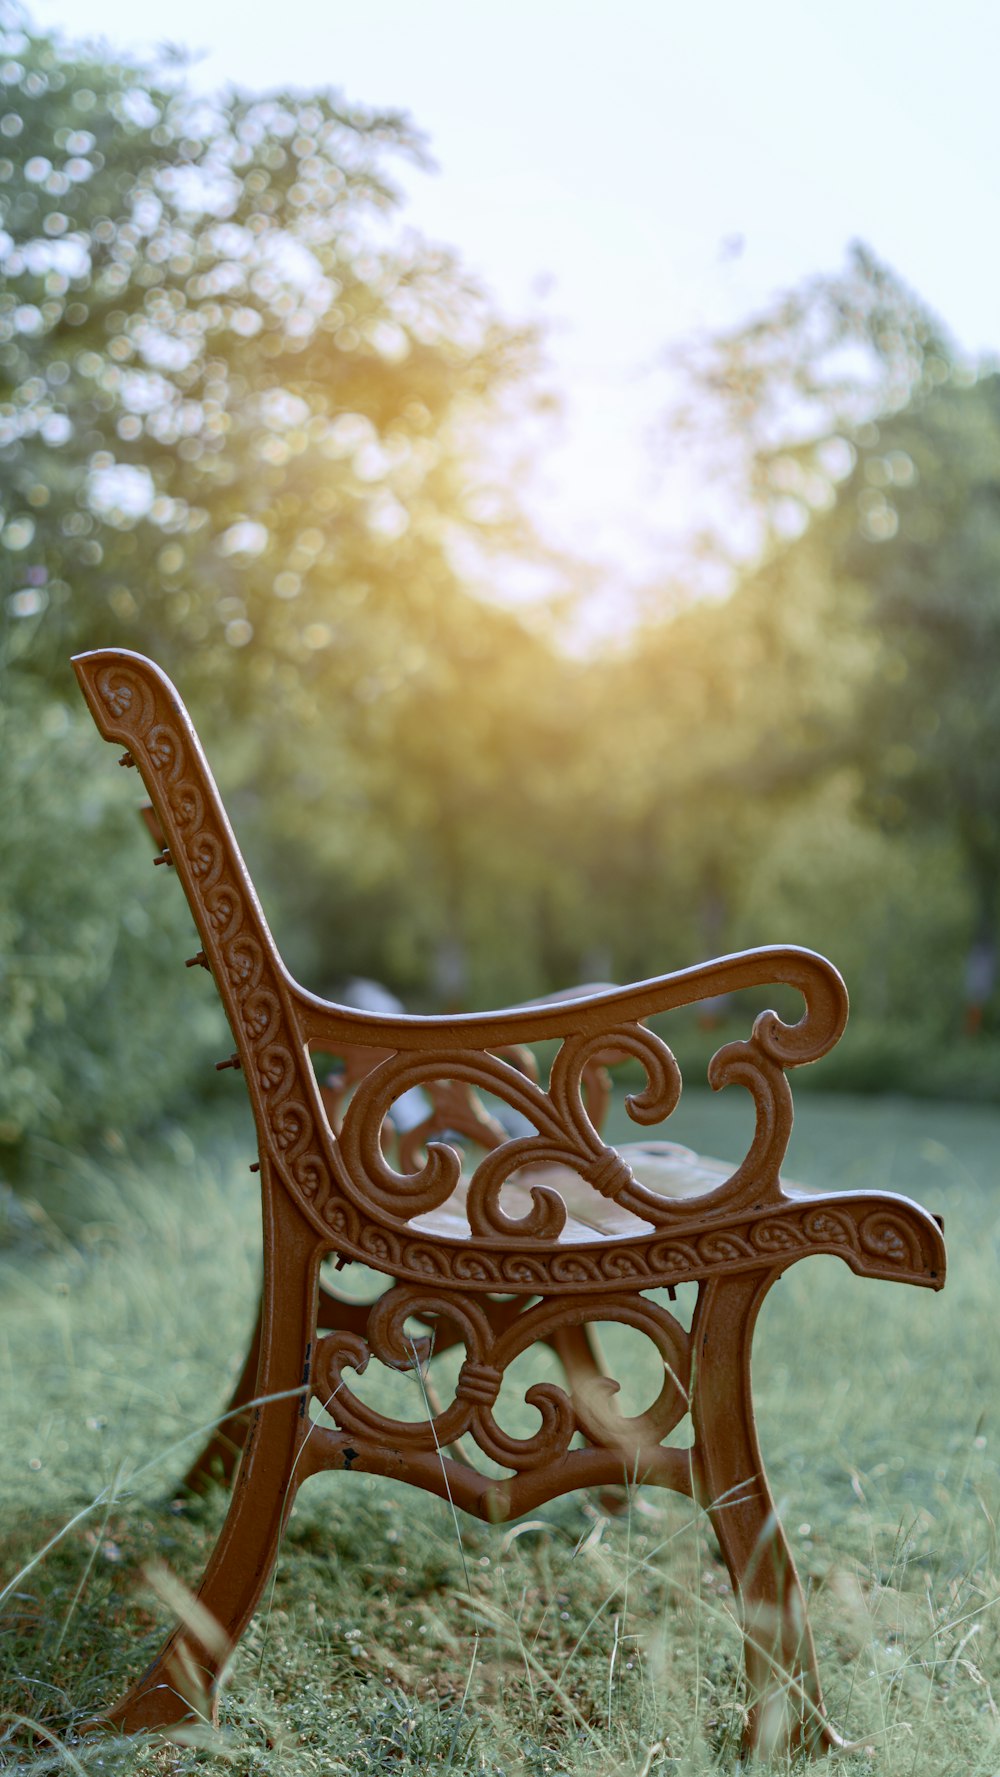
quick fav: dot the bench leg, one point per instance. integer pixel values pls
(216, 1464)
(576, 1349)
(583, 1365)
(785, 1702)
(180, 1684)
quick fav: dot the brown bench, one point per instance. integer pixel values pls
(546, 1235)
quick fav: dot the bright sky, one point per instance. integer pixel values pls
(598, 160)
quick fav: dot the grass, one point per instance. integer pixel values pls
(578, 1642)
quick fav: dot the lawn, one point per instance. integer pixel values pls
(397, 1638)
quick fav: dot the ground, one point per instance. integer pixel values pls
(398, 1637)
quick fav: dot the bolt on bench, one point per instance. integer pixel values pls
(551, 1233)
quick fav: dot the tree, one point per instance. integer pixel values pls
(872, 607)
(232, 405)
(921, 535)
(771, 406)
(241, 426)
(241, 422)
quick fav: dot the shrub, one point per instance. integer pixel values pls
(101, 1027)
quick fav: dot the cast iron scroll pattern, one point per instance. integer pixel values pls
(566, 1136)
(354, 1201)
(233, 930)
(589, 1412)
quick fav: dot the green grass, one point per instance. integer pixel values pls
(580, 1642)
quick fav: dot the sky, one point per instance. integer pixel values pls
(629, 171)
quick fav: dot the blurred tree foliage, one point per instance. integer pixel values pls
(772, 406)
(240, 425)
(925, 496)
(92, 1000)
(844, 698)
(247, 426)
(230, 413)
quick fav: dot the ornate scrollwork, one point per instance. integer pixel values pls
(888, 1237)
(590, 1410)
(199, 846)
(565, 1134)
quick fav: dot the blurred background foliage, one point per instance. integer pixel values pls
(248, 426)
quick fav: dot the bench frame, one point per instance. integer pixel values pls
(511, 1282)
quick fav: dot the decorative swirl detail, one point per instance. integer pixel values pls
(341, 1219)
(206, 858)
(263, 1011)
(386, 1339)
(756, 1181)
(821, 1025)
(775, 1237)
(546, 1218)
(118, 698)
(828, 1228)
(370, 1177)
(313, 1179)
(888, 1237)
(723, 1249)
(224, 911)
(188, 808)
(275, 1064)
(590, 1412)
(750, 1065)
(163, 747)
(566, 1136)
(657, 1101)
(549, 1443)
(617, 1264)
(245, 964)
(470, 1266)
(673, 1261)
(126, 694)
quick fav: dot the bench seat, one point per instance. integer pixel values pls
(663, 1166)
